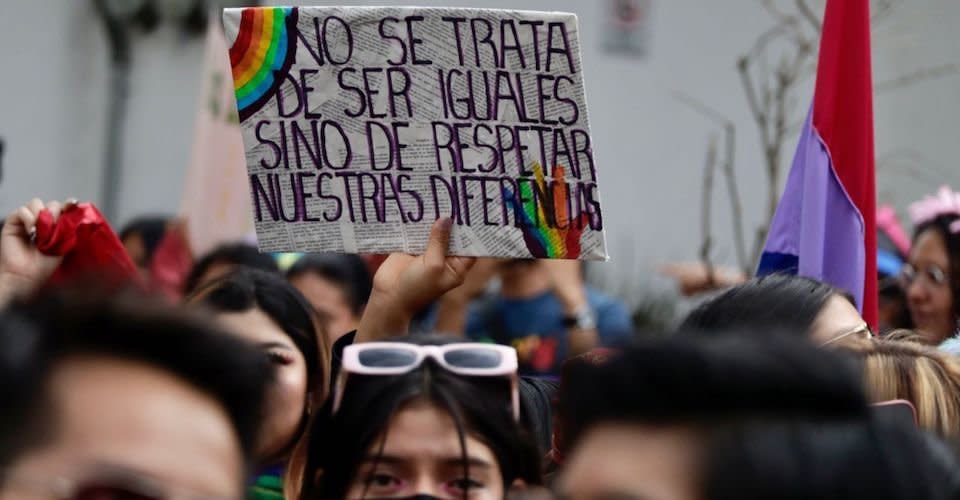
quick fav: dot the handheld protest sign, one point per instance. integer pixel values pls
(361, 126)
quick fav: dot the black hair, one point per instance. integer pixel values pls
(786, 302)
(479, 406)
(25, 421)
(798, 459)
(537, 396)
(707, 380)
(60, 324)
(941, 224)
(151, 230)
(246, 288)
(238, 254)
(776, 418)
(348, 272)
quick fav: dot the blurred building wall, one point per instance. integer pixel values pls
(650, 147)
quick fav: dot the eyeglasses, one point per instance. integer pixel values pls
(860, 330)
(397, 358)
(129, 487)
(934, 274)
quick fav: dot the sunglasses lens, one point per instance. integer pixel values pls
(105, 492)
(473, 358)
(387, 358)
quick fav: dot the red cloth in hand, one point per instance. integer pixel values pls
(89, 247)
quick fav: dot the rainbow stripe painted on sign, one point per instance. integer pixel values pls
(554, 236)
(265, 48)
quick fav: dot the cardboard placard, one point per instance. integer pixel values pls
(362, 126)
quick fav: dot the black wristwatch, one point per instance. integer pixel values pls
(583, 319)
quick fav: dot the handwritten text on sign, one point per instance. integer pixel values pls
(364, 125)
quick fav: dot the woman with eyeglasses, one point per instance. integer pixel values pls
(795, 305)
(263, 309)
(422, 418)
(931, 277)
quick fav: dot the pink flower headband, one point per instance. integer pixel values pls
(946, 202)
(888, 223)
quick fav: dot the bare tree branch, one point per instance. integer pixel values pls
(773, 146)
(807, 13)
(917, 76)
(728, 169)
(908, 162)
(808, 70)
(700, 107)
(795, 127)
(881, 10)
(733, 194)
(755, 109)
(706, 206)
(771, 7)
(767, 37)
(914, 173)
(760, 238)
(779, 61)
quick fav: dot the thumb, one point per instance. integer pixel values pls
(439, 241)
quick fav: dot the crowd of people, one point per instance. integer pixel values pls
(437, 376)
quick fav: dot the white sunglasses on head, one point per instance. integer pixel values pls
(469, 359)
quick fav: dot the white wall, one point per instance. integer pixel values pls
(650, 147)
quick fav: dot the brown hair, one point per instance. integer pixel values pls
(922, 375)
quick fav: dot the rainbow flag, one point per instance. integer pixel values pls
(825, 225)
(265, 47)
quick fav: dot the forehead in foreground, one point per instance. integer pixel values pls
(422, 431)
(633, 461)
(133, 416)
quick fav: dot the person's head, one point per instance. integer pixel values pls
(222, 260)
(669, 419)
(803, 459)
(125, 394)
(520, 278)
(141, 236)
(337, 285)
(893, 247)
(784, 302)
(928, 378)
(931, 278)
(510, 268)
(264, 309)
(570, 369)
(892, 311)
(428, 431)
